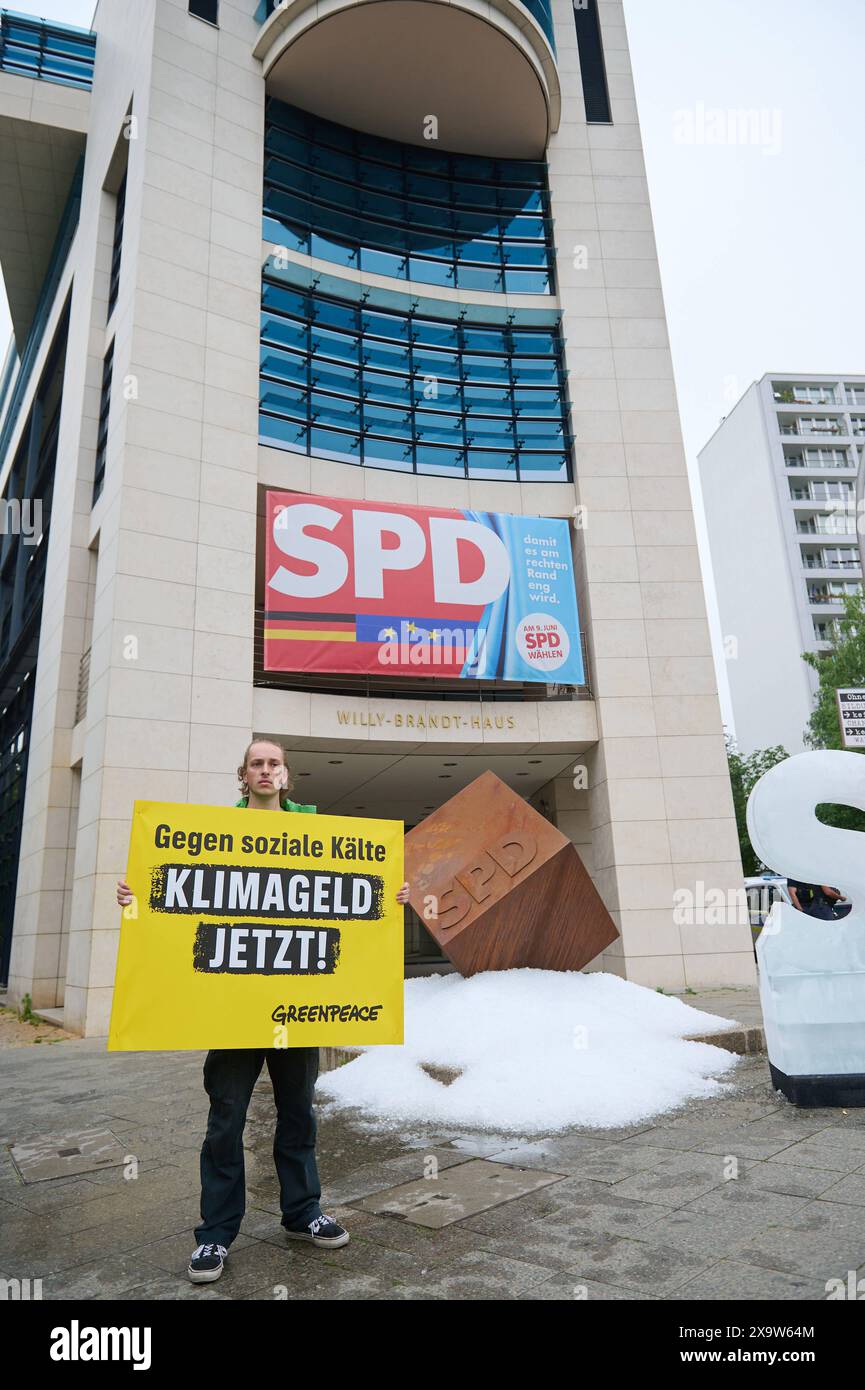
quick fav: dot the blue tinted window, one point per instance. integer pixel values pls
(436, 364)
(398, 210)
(282, 434)
(327, 376)
(393, 390)
(527, 281)
(285, 332)
(388, 453)
(438, 394)
(288, 401)
(544, 468)
(332, 444)
(394, 326)
(284, 366)
(449, 462)
(330, 344)
(444, 429)
(383, 263)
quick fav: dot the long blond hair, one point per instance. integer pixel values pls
(241, 770)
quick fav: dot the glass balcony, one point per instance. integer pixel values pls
(404, 212)
(833, 593)
(821, 458)
(409, 392)
(842, 558)
(44, 49)
(821, 492)
(826, 526)
(806, 395)
(817, 426)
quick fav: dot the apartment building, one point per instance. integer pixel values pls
(779, 488)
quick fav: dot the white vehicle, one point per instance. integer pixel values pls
(762, 892)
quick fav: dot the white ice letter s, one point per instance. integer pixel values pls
(784, 829)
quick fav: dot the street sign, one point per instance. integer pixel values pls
(851, 716)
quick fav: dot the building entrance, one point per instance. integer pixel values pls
(387, 784)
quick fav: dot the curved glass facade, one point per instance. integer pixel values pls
(411, 391)
(403, 211)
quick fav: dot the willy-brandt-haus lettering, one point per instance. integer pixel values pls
(344, 387)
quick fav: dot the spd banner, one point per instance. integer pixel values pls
(391, 588)
(259, 929)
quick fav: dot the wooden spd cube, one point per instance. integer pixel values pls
(499, 887)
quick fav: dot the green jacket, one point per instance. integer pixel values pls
(286, 805)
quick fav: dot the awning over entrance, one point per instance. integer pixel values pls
(402, 759)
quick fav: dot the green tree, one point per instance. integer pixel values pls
(843, 665)
(744, 772)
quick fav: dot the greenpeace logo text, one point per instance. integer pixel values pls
(77, 1343)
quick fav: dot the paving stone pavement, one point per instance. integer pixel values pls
(737, 1197)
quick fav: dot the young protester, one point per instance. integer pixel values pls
(230, 1076)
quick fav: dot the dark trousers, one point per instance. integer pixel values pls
(229, 1078)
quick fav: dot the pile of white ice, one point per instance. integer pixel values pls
(538, 1051)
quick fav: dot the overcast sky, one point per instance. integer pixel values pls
(761, 244)
(760, 240)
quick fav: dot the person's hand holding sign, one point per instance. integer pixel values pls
(401, 897)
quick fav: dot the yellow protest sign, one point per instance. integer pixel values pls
(259, 929)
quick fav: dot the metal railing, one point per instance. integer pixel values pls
(44, 49)
(810, 432)
(800, 461)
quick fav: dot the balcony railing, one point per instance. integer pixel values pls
(43, 49)
(821, 427)
(822, 492)
(803, 461)
(826, 526)
(819, 562)
(825, 596)
(794, 397)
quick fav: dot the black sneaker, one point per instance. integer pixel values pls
(207, 1263)
(322, 1231)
